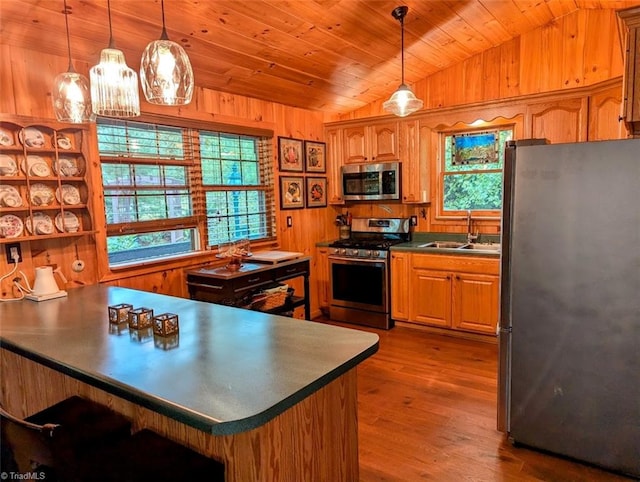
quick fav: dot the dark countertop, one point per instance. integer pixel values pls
(418, 239)
(233, 369)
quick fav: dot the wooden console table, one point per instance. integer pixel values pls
(221, 286)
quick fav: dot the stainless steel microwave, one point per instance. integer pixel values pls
(371, 182)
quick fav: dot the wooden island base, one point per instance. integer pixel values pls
(315, 440)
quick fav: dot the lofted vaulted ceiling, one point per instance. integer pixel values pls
(330, 55)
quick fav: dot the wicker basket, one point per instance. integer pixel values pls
(269, 301)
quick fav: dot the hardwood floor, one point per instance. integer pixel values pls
(427, 411)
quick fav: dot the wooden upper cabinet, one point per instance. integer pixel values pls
(631, 86)
(333, 137)
(604, 113)
(371, 143)
(559, 121)
(415, 142)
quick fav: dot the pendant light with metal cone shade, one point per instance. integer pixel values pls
(71, 95)
(165, 71)
(114, 86)
(402, 102)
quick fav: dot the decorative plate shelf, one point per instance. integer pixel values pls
(43, 175)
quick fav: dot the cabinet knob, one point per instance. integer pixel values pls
(458, 277)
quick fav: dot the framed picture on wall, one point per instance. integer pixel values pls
(315, 156)
(291, 192)
(316, 189)
(290, 154)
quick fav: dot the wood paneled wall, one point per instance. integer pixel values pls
(580, 49)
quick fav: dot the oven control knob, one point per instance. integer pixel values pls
(342, 251)
(353, 252)
(368, 253)
(376, 254)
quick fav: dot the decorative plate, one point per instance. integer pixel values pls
(41, 194)
(67, 224)
(10, 226)
(41, 224)
(32, 137)
(37, 166)
(66, 166)
(68, 194)
(6, 138)
(8, 166)
(9, 196)
(63, 141)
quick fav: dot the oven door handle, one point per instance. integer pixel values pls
(357, 260)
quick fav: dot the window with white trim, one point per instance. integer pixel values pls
(171, 190)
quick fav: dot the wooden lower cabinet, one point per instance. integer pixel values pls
(322, 278)
(431, 304)
(475, 302)
(453, 292)
(400, 278)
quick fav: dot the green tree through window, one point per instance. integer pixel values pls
(157, 204)
(474, 185)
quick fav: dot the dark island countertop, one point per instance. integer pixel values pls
(232, 371)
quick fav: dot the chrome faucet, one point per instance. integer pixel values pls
(470, 237)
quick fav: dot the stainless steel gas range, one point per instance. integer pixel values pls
(359, 271)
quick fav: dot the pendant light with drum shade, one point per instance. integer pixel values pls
(402, 102)
(165, 71)
(114, 86)
(71, 94)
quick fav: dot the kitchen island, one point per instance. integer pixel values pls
(272, 397)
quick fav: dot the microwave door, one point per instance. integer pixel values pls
(371, 183)
(352, 184)
(389, 182)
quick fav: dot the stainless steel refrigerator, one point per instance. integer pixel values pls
(569, 380)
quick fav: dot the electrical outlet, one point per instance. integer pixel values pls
(13, 251)
(414, 221)
(289, 221)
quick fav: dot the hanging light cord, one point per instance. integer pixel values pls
(402, 46)
(66, 22)
(164, 35)
(112, 44)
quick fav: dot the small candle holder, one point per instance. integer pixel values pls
(119, 313)
(166, 342)
(140, 318)
(165, 324)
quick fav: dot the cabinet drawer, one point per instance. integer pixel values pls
(290, 271)
(463, 263)
(210, 290)
(251, 280)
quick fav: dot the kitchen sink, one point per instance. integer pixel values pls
(482, 246)
(443, 244)
(461, 245)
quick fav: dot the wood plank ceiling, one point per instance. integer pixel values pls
(329, 55)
